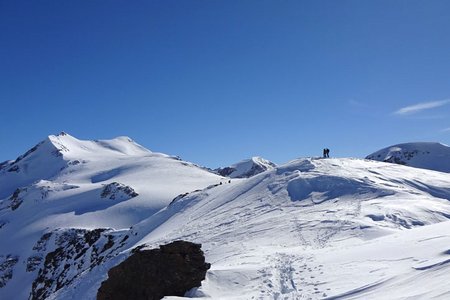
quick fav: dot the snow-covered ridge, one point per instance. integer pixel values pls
(305, 229)
(426, 155)
(124, 145)
(69, 147)
(246, 168)
(57, 153)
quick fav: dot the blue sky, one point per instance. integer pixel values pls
(219, 81)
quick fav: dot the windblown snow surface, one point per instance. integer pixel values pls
(432, 156)
(309, 229)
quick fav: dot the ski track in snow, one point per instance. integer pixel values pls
(300, 274)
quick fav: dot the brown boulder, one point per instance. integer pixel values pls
(171, 270)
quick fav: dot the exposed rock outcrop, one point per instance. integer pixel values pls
(77, 251)
(118, 191)
(7, 263)
(15, 199)
(171, 270)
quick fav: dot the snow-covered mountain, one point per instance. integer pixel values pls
(64, 182)
(432, 156)
(246, 168)
(308, 229)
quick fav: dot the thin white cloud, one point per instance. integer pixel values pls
(412, 109)
(446, 130)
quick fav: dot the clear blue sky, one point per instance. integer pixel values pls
(219, 81)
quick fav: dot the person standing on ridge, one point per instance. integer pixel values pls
(327, 152)
(324, 152)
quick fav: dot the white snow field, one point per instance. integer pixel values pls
(319, 228)
(309, 229)
(425, 155)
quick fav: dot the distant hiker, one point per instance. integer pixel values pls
(327, 152)
(324, 153)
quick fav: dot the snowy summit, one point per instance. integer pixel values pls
(246, 168)
(432, 156)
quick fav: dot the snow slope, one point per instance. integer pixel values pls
(309, 229)
(246, 168)
(64, 182)
(305, 230)
(432, 156)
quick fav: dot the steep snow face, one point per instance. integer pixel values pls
(40, 162)
(309, 229)
(432, 156)
(246, 168)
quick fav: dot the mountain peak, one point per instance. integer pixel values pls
(57, 152)
(61, 141)
(246, 168)
(260, 160)
(122, 145)
(425, 155)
